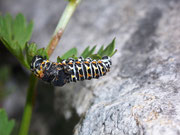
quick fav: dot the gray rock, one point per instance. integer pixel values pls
(142, 95)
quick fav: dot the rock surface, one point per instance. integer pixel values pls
(141, 93)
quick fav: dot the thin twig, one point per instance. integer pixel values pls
(63, 21)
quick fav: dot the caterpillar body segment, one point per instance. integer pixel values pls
(70, 70)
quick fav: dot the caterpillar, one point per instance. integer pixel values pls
(70, 70)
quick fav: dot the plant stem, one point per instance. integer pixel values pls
(63, 21)
(30, 99)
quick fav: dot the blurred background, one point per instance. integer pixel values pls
(58, 110)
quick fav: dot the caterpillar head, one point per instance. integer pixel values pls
(35, 64)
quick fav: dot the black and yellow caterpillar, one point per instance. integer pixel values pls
(70, 70)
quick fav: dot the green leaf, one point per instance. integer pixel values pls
(108, 51)
(95, 56)
(113, 53)
(31, 50)
(59, 59)
(21, 30)
(5, 125)
(86, 53)
(42, 52)
(18, 51)
(74, 57)
(14, 34)
(101, 50)
(6, 28)
(91, 51)
(72, 52)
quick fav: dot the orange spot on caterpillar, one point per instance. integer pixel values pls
(41, 74)
(77, 62)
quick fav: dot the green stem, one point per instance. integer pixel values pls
(63, 21)
(29, 106)
(69, 10)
